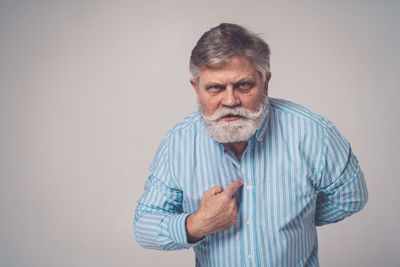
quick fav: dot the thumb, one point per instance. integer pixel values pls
(233, 187)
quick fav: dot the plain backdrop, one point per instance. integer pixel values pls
(89, 88)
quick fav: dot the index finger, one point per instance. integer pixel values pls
(233, 187)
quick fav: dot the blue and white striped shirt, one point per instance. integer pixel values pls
(298, 170)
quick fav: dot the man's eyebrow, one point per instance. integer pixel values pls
(246, 79)
(250, 81)
(210, 84)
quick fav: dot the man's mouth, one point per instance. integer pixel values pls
(231, 117)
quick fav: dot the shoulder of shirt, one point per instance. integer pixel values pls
(294, 109)
(187, 123)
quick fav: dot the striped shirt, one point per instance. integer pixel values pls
(299, 172)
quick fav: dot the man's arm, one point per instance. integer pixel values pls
(159, 218)
(160, 222)
(341, 186)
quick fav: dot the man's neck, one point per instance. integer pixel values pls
(238, 148)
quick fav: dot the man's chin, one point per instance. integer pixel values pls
(234, 128)
(231, 131)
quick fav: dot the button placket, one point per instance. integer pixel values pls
(249, 192)
(248, 212)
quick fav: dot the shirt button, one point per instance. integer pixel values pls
(248, 187)
(260, 139)
(248, 221)
(249, 256)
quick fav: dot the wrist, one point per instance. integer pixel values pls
(193, 229)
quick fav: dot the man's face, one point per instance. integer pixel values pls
(230, 95)
(234, 83)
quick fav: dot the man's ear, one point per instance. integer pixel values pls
(195, 87)
(266, 82)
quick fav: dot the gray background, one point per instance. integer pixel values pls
(88, 89)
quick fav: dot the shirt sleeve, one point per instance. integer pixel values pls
(160, 222)
(341, 187)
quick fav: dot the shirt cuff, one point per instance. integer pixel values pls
(177, 230)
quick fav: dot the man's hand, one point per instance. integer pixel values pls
(217, 212)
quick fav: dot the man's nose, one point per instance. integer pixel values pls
(230, 98)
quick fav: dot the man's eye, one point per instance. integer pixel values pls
(215, 88)
(243, 86)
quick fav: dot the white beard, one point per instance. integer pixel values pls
(238, 130)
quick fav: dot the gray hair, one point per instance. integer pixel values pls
(225, 41)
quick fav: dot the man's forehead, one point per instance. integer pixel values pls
(232, 70)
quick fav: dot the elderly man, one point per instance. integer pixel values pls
(247, 178)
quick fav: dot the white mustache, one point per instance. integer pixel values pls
(236, 111)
